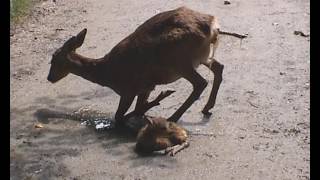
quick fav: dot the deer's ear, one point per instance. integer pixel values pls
(75, 41)
(80, 38)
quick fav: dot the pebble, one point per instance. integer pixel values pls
(227, 2)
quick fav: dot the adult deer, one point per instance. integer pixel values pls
(167, 47)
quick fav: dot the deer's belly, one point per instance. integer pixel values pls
(147, 81)
(165, 76)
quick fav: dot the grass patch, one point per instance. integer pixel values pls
(19, 9)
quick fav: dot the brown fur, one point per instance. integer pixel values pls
(159, 135)
(166, 47)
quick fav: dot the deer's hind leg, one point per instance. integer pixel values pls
(199, 84)
(217, 69)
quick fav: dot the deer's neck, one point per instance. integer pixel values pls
(87, 68)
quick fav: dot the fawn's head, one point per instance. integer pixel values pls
(159, 134)
(158, 126)
(60, 64)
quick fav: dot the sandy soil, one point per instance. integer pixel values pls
(259, 127)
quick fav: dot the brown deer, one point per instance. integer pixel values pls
(167, 47)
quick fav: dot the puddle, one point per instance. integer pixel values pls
(105, 121)
(97, 119)
(99, 124)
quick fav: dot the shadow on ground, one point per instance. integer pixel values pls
(40, 151)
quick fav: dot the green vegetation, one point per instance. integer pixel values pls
(18, 9)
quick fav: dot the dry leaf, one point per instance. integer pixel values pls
(38, 126)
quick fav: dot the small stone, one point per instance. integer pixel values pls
(83, 123)
(38, 126)
(227, 2)
(208, 155)
(300, 33)
(27, 142)
(19, 136)
(38, 171)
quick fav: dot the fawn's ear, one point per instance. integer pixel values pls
(149, 120)
(75, 41)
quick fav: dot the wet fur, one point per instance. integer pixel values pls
(159, 135)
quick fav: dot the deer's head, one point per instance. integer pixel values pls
(60, 63)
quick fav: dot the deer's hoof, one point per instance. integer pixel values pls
(119, 124)
(206, 113)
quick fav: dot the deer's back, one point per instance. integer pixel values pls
(166, 32)
(175, 25)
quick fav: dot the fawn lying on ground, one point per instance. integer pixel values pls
(156, 133)
(160, 134)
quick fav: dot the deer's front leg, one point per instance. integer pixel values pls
(124, 104)
(142, 101)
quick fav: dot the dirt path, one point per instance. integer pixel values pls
(260, 124)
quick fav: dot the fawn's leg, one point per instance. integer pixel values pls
(177, 148)
(199, 84)
(217, 70)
